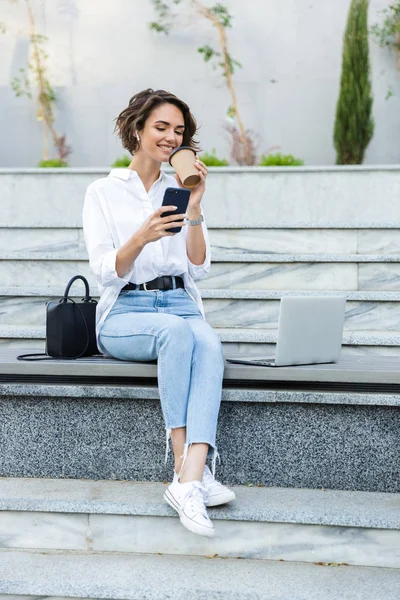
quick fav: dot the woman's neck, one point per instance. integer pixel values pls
(147, 169)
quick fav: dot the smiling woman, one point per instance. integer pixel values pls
(150, 307)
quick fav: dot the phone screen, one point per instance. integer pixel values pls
(176, 197)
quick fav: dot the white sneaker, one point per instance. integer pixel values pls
(188, 499)
(216, 492)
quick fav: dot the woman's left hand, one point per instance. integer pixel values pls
(197, 192)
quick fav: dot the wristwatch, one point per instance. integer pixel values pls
(196, 221)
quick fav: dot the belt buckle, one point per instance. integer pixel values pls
(145, 287)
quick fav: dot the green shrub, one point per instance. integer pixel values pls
(123, 161)
(354, 125)
(52, 163)
(280, 160)
(211, 160)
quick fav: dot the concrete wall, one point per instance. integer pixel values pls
(101, 52)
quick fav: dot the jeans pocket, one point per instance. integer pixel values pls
(181, 291)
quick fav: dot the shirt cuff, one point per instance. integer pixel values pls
(200, 271)
(109, 275)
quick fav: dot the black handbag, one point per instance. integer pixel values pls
(70, 327)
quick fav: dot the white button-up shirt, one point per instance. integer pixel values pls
(115, 207)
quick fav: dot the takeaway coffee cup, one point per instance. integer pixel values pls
(182, 160)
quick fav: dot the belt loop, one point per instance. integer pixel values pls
(173, 282)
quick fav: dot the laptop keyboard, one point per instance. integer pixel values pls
(262, 362)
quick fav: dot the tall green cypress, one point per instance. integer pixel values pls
(354, 125)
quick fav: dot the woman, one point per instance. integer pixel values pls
(150, 306)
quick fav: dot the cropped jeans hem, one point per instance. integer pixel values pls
(168, 326)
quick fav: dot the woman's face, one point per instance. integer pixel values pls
(162, 132)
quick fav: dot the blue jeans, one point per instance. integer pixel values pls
(168, 326)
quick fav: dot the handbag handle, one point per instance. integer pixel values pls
(71, 281)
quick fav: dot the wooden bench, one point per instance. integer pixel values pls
(370, 372)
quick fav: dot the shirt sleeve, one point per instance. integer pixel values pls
(200, 271)
(99, 242)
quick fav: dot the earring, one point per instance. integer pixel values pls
(137, 137)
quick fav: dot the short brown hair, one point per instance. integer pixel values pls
(133, 118)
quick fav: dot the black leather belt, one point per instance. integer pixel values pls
(165, 282)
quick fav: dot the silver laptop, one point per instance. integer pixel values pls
(310, 331)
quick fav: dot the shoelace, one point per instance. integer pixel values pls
(209, 478)
(197, 496)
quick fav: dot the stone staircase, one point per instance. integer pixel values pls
(119, 540)
(241, 294)
(73, 520)
(282, 239)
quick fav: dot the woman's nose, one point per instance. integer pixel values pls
(170, 137)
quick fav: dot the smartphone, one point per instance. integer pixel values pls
(175, 197)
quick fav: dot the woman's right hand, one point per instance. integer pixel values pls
(154, 227)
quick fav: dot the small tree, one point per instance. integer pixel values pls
(242, 140)
(35, 73)
(354, 125)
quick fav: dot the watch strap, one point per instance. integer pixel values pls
(196, 221)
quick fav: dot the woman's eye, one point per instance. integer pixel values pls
(177, 132)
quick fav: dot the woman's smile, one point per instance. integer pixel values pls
(165, 147)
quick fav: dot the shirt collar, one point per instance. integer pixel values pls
(126, 173)
(122, 173)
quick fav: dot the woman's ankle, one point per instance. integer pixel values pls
(178, 466)
(187, 479)
(193, 463)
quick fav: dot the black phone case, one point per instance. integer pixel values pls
(175, 197)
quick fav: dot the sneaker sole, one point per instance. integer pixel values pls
(195, 528)
(171, 501)
(221, 499)
(186, 522)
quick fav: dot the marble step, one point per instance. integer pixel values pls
(283, 241)
(234, 335)
(225, 294)
(21, 345)
(231, 271)
(234, 341)
(366, 311)
(132, 577)
(357, 528)
(225, 256)
(315, 197)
